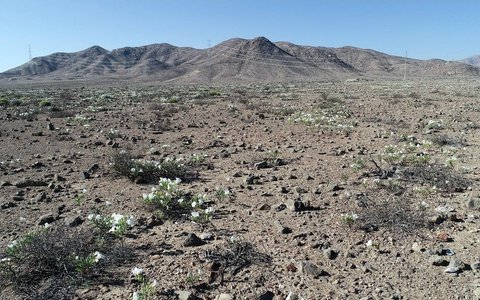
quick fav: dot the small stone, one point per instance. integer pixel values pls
(266, 296)
(193, 240)
(94, 168)
(224, 297)
(330, 253)
(5, 183)
(291, 267)
(261, 165)
(85, 175)
(153, 151)
(207, 236)
(252, 179)
(281, 228)
(476, 265)
(59, 178)
(443, 237)
(293, 296)
(74, 221)
(455, 266)
(300, 190)
(264, 207)
(417, 248)
(8, 205)
(310, 268)
(473, 204)
(50, 126)
(30, 182)
(476, 293)
(437, 260)
(40, 197)
(153, 221)
(18, 198)
(47, 218)
(296, 205)
(334, 187)
(186, 295)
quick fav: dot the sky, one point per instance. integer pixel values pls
(425, 29)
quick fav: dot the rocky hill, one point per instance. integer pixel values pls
(473, 60)
(235, 60)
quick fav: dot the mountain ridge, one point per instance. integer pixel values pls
(233, 60)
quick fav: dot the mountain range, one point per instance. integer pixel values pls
(234, 60)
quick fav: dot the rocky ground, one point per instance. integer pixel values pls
(351, 190)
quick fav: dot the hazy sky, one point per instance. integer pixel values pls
(425, 28)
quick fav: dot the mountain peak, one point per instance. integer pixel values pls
(234, 60)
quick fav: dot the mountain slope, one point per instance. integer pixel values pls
(473, 60)
(234, 60)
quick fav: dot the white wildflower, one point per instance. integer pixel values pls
(98, 256)
(137, 271)
(136, 296)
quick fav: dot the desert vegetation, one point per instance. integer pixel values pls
(361, 189)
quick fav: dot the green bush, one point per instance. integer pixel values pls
(45, 103)
(52, 262)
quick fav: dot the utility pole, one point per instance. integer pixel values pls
(405, 74)
(209, 62)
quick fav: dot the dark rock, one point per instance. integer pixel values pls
(297, 205)
(18, 198)
(153, 221)
(40, 197)
(281, 228)
(8, 205)
(50, 126)
(207, 236)
(47, 218)
(193, 240)
(74, 221)
(300, 190)
(30, 182)
(266, 296)
(261, 165)
(85, 175)
(473, 204)
(252, 179)
(334, 187)
(186, 295)
(94, 168)
(437, 260)
(330, 254)
(5, 183)
(37, 164)
(310, 268)
(456, 266)
(59, 178)
(264, 207)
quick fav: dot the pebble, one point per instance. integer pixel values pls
(207, 236)
(308, 267)
(186, 295)
(455, 266)
(296, 205)
(437, 260)
(193, 240)
(281, 228)
(224, 297)
(47, 218)
(266, 296)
